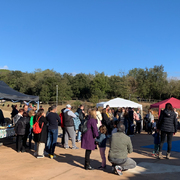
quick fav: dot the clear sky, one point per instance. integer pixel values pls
(75, 36)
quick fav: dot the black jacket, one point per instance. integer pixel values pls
(167, 121)
(105, 120)
(14, 112)
(42, 137)
(22, 126)
(81, 114)
(1, 117)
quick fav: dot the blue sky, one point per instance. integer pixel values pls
(75, 36)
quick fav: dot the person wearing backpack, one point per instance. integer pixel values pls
(88, 138)
(21, 129)
(40, 132)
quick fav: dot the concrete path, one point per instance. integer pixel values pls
(69, 164)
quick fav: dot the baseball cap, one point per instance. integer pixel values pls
(68, 106)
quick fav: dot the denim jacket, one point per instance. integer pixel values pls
(101, 140)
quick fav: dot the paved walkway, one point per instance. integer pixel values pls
(69, 164)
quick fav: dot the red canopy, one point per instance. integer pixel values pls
(175, 103)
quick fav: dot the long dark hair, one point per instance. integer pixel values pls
(169, 107)
(39, 113)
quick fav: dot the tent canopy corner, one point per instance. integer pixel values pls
(161, 105)
(7, 93)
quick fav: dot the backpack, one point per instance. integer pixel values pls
(77, 121)
(83, 126)
(36, 127)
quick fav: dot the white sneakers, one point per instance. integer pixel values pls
(119, 170)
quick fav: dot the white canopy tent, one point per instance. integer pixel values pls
(119, 102)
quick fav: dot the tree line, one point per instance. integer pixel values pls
(148, 83)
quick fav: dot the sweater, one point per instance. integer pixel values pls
(120, 146)
(53, 120)
(31, 121)
(101, 140)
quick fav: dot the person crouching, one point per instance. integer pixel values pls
(120, 146)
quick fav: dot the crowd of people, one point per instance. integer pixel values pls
(92, 129)
(42, 128)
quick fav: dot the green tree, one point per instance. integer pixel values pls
(80, 86)
(99, 86)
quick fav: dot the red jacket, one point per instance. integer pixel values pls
(62, 121)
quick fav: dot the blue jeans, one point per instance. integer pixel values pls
(52, 139)
(79, 135)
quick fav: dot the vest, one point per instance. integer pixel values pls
(68, 120)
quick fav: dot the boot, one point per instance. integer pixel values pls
(85, 165)
(88, 167)
(160, 155)
(167, 155)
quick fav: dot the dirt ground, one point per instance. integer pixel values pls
(69, 163)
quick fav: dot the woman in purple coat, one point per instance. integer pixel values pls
(88, 138)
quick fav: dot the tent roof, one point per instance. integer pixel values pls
(8, 93)
(175, 103)
(119, 102)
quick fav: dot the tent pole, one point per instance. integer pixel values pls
(142, 117)
(38, 105)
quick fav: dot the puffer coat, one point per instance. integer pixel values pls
(167, 121)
